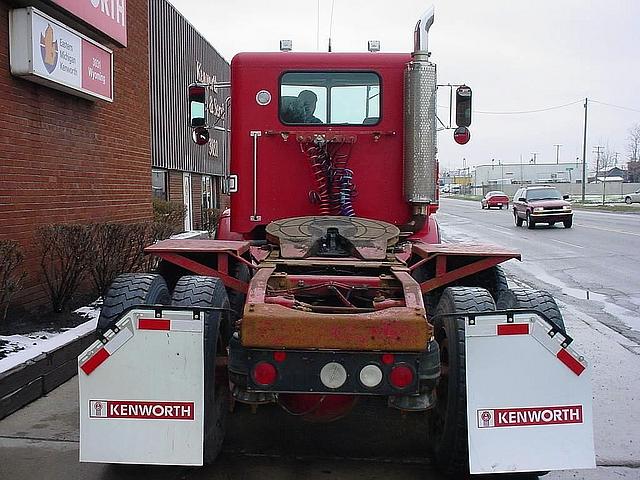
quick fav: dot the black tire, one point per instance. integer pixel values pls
(448, 419)
(530, 223)
(568, 223)
(627, 200)
(128, 290)
(200, 291)
(517, 219)
(551, 224)
(500, 206)
(537, 300)
(492, 279)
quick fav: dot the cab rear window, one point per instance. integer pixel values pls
(332, 98)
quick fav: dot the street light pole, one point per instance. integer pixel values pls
(584, 150)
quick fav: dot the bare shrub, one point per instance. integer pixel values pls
(117, 248)
(11, 273)
(170, 215)
(64, 258)
(211, 220)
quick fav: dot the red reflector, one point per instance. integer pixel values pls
(401, 376)
(95, 361)
(574, 365)
(387, 358)
(279, 356)
(154, 324)
(513, 329)
(264, 373)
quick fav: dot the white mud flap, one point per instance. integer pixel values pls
(528, 397)
(142, 391)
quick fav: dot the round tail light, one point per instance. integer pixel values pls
(401, 376)
(371, 376)
(264, 373)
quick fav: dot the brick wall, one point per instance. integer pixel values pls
(175, 186)
(66, 159)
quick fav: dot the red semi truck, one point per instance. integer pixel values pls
(328, 282)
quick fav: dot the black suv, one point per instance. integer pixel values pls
(541, 204)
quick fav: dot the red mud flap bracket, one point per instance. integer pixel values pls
(142, 390)
(528, 396)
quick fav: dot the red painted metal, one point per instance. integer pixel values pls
(283, 170)
(200, 269)
(258, 286)
(198, 246)
(476, 258)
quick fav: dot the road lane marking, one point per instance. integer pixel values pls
(501, 232)
(567, 243)
(609, 230)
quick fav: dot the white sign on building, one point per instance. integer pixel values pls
(48, 52)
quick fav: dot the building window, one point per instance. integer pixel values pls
(159, 184)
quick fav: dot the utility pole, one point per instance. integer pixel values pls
(598, 148)
(557, 145)
(535, 154)
(584, 150)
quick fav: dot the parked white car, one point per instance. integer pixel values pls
(632, 197)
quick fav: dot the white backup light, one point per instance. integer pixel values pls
(371, 376)
(333, 375)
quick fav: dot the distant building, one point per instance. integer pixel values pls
(526, 173)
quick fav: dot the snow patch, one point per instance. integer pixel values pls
(25, 348)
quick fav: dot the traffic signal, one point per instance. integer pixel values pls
(463, 106)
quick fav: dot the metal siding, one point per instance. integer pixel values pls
(175, 47)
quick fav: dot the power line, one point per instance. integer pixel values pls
(529, 111)
(616, 106)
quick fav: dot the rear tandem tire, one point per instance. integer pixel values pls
(448, 419)
(200, 291)
(531, 299)
(128, 290)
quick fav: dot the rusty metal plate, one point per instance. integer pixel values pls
(467, 249)
(198, 246)
(393, 329)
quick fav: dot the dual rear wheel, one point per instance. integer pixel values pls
(134, 289)
(448, 439)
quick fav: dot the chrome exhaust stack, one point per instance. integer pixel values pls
(420, 164)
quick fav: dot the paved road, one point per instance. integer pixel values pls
(41, 441)
(599, 255)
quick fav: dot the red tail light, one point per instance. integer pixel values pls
(401, 376)
(279, 356)
(264, 373)
(387, 358)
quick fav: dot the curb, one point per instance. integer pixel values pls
(35, 378)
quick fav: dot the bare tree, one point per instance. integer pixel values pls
(633, 145)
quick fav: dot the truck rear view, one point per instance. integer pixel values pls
(328, 283)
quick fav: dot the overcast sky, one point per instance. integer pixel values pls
(516, 55)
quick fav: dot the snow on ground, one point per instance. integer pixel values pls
(23, 348)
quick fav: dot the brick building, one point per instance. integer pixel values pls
(67, 156)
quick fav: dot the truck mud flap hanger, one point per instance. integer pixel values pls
(529, 399)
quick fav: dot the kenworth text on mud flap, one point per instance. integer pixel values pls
(327, 283)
